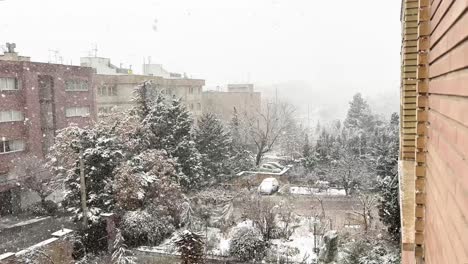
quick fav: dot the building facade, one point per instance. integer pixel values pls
(103, 66)
(115, 92)
(239, 96)
(434, 131)
(36, 100)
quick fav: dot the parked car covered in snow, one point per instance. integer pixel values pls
(268, 186)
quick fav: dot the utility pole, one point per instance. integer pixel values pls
(83, 191)
(315, 236)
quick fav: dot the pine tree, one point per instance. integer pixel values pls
(188, 164)
(384, 160)
(306, 148)
(358, 113)
(168, 126)
(144, 98)
(241, 157)
(191, 247)
(214, 145)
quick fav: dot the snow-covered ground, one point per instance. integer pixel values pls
(315, 191)
(302, 239)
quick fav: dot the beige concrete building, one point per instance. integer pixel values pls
(115, 86)
(239, 96)
(115, 92)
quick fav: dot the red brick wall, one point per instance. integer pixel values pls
(446, 227)
(27, 101)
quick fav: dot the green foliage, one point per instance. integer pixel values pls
(247, 244)
(384, 160)
(213, 142)
(120, 254)
(365, 251)
(168, 126)
(191, 247)
(242, 158)
(146, 227)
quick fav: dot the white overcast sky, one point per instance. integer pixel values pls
(342, 45)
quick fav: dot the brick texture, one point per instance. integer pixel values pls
(446, 226)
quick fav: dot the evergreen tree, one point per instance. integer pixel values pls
(306, 148)
(359, 113)
(144, 97)
(191, 247)
(384, 160)
(168, 126)
(101, 154)
(241, 157)
(214, 145)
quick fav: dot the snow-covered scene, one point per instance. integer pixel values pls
(240, 131)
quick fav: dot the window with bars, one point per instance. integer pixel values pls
(7, 146)
(82, 111)
(8, 84)
(76, 86)
(11, 116)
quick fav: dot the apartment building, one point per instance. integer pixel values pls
(434, 131)
(36, 100)
(115, 89)
(115, 92)
(239, 96)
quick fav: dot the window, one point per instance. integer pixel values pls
(11, 145)
(199, 90)
(77, 111)
(76, 85)
(10, 116)
(191, 90)
(8, 84)
(107, 90)
(191, 106)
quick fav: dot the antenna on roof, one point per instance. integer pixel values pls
(54, 56)
(95, 50)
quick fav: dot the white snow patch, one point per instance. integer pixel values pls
(302, 239)
(315, 191)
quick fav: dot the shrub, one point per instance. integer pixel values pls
(90, 241)
(247, 244)
(42, 209)
(50, 207)
(141, 228)
(37, 209)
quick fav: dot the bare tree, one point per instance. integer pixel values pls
(349, 172)
(287, 217)
(267, 125)
(367, 202)
(33, 174)
(263, 214)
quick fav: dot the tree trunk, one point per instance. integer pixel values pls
(258, 158)
(43, 201)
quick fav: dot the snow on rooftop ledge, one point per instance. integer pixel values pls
(6, 255)
(62, 232)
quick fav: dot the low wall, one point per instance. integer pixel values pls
(57, 250)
